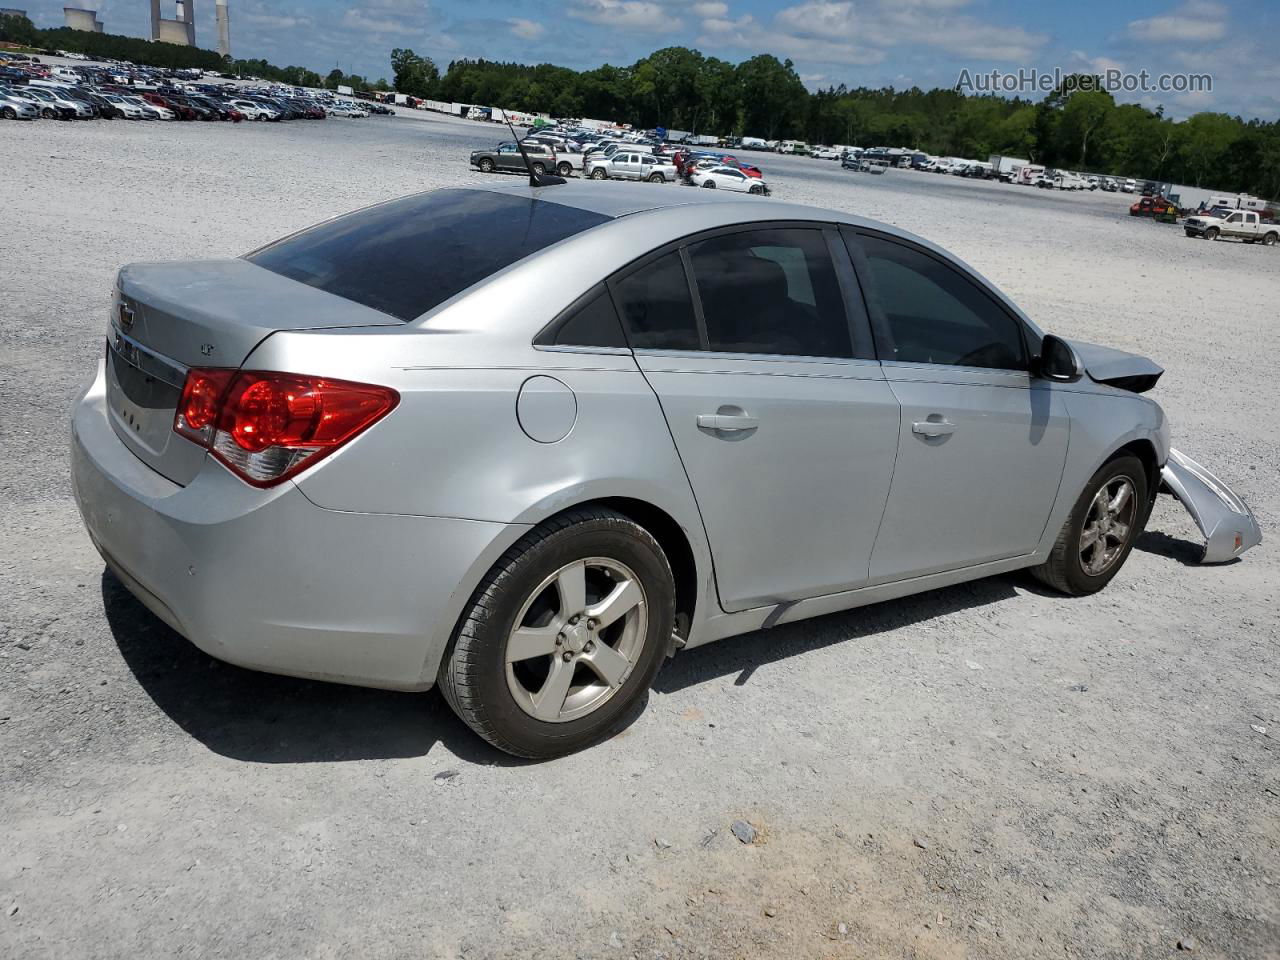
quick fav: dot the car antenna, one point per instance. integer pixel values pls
(535, 179)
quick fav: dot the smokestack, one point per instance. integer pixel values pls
(155, 19)
(187, 13)
(224, 27)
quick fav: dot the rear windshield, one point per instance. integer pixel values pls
(410, 255)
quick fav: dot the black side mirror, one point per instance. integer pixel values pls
(1059, 361)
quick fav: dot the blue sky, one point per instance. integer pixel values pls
(858, 42)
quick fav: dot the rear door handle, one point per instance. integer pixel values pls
(933, 428)
(727, 422)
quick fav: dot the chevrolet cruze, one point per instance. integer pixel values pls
(526, 442)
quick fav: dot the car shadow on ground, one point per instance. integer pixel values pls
(263, 718)
(744, 654)
(1185, 552)
(260, 717)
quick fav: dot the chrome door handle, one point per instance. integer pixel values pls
(727, 423)
(933, 428)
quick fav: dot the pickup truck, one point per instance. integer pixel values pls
(625, 165)
(1244, 225)
(507, 156)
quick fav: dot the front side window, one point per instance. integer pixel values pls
(771, 292)
(937, 315)
(656, 306)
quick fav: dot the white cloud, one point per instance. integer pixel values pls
(526, 29)
(1194, 21)
(709, 9)
(640, 16)
(864, 31)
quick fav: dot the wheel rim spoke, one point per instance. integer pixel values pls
(1120, 499)
(529, 642)
(548, 701)
(608, 663)
(572, 587)
(621, 599)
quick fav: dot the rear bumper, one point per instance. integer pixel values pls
(268, 580)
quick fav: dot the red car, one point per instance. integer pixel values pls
(182, 112)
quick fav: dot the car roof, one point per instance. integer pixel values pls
(642, 218)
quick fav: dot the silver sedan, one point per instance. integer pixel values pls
(527, 442)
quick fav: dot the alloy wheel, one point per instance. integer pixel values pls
(577, 638)
(1107, 526)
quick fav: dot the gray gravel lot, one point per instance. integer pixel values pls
(986, 771)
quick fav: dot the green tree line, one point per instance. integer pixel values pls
(1076, 127)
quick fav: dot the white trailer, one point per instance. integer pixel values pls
(1002, 164)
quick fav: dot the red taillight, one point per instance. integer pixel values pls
(267, 426)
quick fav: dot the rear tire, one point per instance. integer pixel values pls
(564, 169)
(656, 178)
(516, 703)
(10, 113)
(48, 114)
(1270, 239)
(1091, 546)
(539, 168)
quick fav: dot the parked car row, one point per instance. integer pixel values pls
(49, 100)
(544, 153)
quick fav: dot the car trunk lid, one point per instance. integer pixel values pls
(169, 317)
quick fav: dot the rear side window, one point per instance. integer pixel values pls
(591, 324)
(410, 255)
(936, 315)
(656, 306)
(771, 292)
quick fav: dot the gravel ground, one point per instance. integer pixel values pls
(985, 771)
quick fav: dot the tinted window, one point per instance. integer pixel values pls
(410, 255)
(771, 291)
(593, 324)
(656, 306)
(936, 315)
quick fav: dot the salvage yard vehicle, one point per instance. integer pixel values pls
(728, 178)
(387, 450)
(16, 108)
(506, 156)
(1158, 208)
(625, 165)
(1245, 225)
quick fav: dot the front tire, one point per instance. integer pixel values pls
(709, 184)
(565, 168)
(1212, 233)
(485, 165)
(1098, 536)
(598, 174)
(563, 636)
